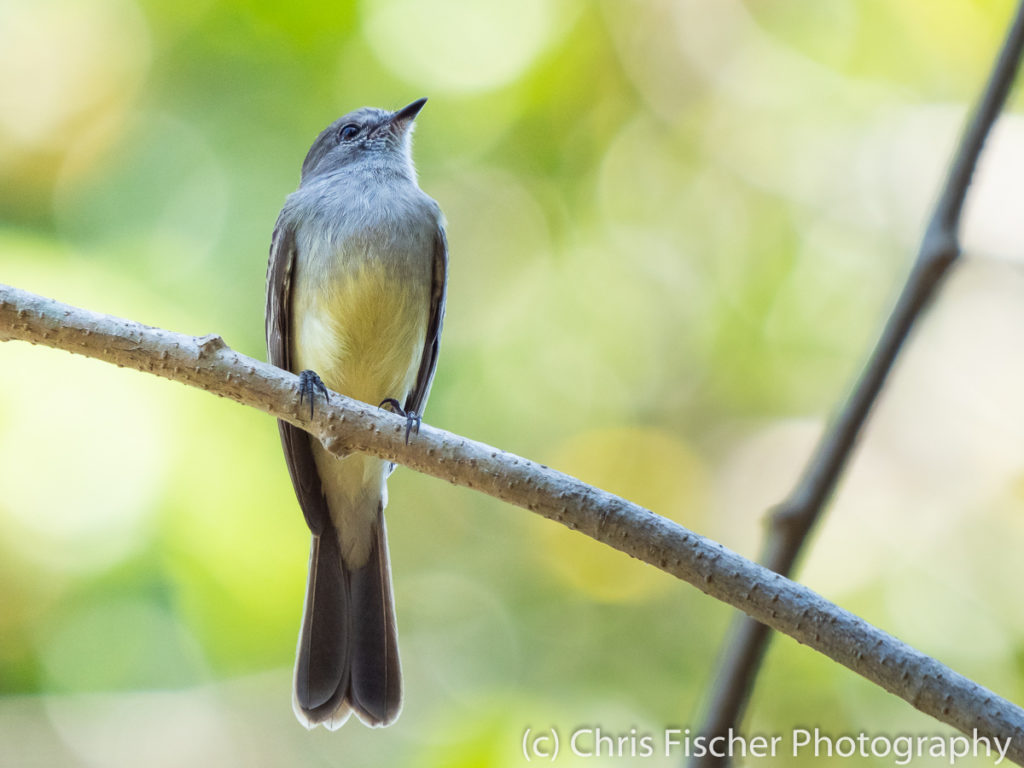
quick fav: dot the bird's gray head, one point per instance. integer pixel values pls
(367, 135)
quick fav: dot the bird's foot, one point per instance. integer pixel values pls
(412, 419)
(309, 385)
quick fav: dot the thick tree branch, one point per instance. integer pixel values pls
(793, 520)
(345, 425)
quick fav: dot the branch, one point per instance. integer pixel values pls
(345, 425)
(793, 520)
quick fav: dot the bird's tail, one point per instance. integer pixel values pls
(347, 659)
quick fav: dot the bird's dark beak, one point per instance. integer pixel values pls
(403, 117)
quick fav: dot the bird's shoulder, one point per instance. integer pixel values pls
(360, 201)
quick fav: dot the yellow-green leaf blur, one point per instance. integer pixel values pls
(675, 228)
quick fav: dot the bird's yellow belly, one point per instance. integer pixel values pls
(363, 333)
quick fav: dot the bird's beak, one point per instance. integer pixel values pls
(401, 119)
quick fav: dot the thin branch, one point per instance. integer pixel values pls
(344, 425)
(793, 520)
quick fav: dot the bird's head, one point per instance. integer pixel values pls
(367, 135)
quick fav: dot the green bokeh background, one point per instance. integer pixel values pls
(675, 228)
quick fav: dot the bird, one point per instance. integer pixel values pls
(356, 286)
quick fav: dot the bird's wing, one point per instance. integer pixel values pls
(417, 398)
(298, 450)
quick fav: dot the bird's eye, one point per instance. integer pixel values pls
(348, 132)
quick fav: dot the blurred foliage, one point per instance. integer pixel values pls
(675, 227)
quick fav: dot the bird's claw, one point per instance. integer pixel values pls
(412, 419)
(309, 384)
(412, 424)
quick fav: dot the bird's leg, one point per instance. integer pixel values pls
(309, 385)
(412, 419)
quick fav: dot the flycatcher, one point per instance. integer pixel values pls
(355, 292)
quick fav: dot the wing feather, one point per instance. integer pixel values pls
(417, 398)
(298, 450)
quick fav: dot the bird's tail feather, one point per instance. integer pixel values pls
(347, 658)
